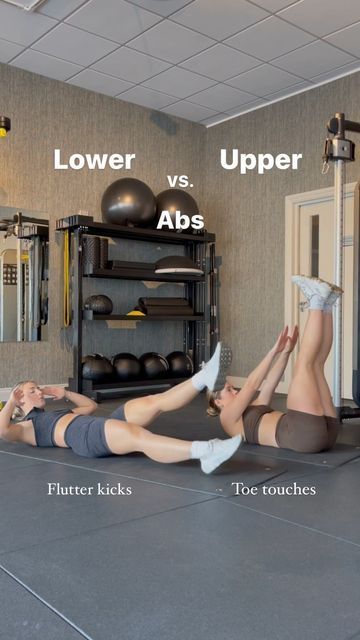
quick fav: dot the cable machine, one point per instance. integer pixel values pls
(340, 150)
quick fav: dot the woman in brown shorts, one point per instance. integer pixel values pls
(310, 423)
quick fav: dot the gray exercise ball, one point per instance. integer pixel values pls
(130, 202)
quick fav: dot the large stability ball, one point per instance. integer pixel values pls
(154, 365)
(97, 368)
(127, 366)
(180, 363)
(128, 201)
(173, 200)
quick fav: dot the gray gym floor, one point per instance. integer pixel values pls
(182, 557)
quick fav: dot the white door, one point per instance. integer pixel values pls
(316, 258)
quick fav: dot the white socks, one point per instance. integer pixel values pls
(316, 302)
(213, 373)
(212, 453)
(329, 304)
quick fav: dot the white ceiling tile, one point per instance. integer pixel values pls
(296, 88)
(220, 117)
(74, 45)
(114, 19)
(188, 110)
(275, 5)
(178, 82)
(247, 107)
(263, 80)
(270, 38)
(221, 97)
(322, 16)
(146, 97)
(220, 62)
(9, 50)
(45, 65)
(219, 19)
(346, 69)
(347, 39)
(59, 10)
(317, 57)
(171, 42)
(22, 27)
(99, 82)
(130, 65)
(161, 7)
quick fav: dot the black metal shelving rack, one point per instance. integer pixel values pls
(201, 330)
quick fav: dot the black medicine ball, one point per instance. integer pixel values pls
(97, 368)
(127, 366)
(101, 305)
(180, 363)
(154, 365)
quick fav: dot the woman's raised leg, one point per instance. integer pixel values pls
(123, 437)
(324, 391)
(143, 411)
(304, 393)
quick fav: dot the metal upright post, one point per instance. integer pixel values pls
(77, 309)
(338, 275)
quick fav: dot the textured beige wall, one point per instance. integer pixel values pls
(247, 212)
(47, 114)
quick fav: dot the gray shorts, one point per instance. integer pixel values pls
(119, 413)
(85, 435)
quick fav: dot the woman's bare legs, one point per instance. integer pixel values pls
(325, 395)
(304, 393)
(123, 437)
(143, 411)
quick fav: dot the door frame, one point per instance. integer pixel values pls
(293, 204)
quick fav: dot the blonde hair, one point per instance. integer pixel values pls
(212, 410)
(19, 413)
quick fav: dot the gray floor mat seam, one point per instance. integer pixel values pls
(45, 603)
(112, 473)
(108, 526)
(291, 522)
(304, 475)
(286, 459)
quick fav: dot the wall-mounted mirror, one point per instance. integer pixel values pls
(24, 274)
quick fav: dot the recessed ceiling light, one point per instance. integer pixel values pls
(26, 5)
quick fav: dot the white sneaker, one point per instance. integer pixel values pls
(217, 367)
(334, 295)
(313, 286)
(220, 451)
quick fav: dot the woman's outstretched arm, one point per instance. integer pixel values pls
(277, 370)
(84, 406)
(234, 410)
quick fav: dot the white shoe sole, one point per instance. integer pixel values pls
(225, 360)
(214, 462)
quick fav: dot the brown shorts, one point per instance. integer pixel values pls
(305, 432)
(295, 430)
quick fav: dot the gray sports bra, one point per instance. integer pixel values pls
(44, 423)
